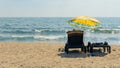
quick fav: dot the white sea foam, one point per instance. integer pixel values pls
(38, 30)
(105, 29)
(48, 37)
(110, 29)
(48, 30)
(51, 37)
(21, 36)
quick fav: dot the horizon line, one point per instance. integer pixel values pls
(55, 16)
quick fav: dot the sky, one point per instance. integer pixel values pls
(59, 8)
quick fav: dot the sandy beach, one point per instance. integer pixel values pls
(47, 55)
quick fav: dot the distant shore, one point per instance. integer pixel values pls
(47, 55)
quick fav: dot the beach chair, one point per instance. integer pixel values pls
(105, 46)
(75, 40)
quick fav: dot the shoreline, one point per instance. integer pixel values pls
(111, 44)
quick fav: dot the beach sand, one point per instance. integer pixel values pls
(47, 55)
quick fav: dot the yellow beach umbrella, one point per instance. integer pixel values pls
(84, 21)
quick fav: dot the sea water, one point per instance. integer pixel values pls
(53, 29)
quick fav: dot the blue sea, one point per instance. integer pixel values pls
(53, 29)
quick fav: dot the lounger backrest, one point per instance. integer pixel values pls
(75, 37)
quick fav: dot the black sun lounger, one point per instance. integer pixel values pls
(105, 46)
(75, 40)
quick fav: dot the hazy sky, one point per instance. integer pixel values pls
(59, 8)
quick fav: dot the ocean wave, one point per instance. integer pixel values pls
(112, 31)
(17, 31)
(49, 37)
(49, 30)
(20, 36)
(39, 30)
(45, 37)
(31, 31)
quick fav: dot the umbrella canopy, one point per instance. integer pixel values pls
(84, 22)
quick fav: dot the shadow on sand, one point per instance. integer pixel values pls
(79, 54)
